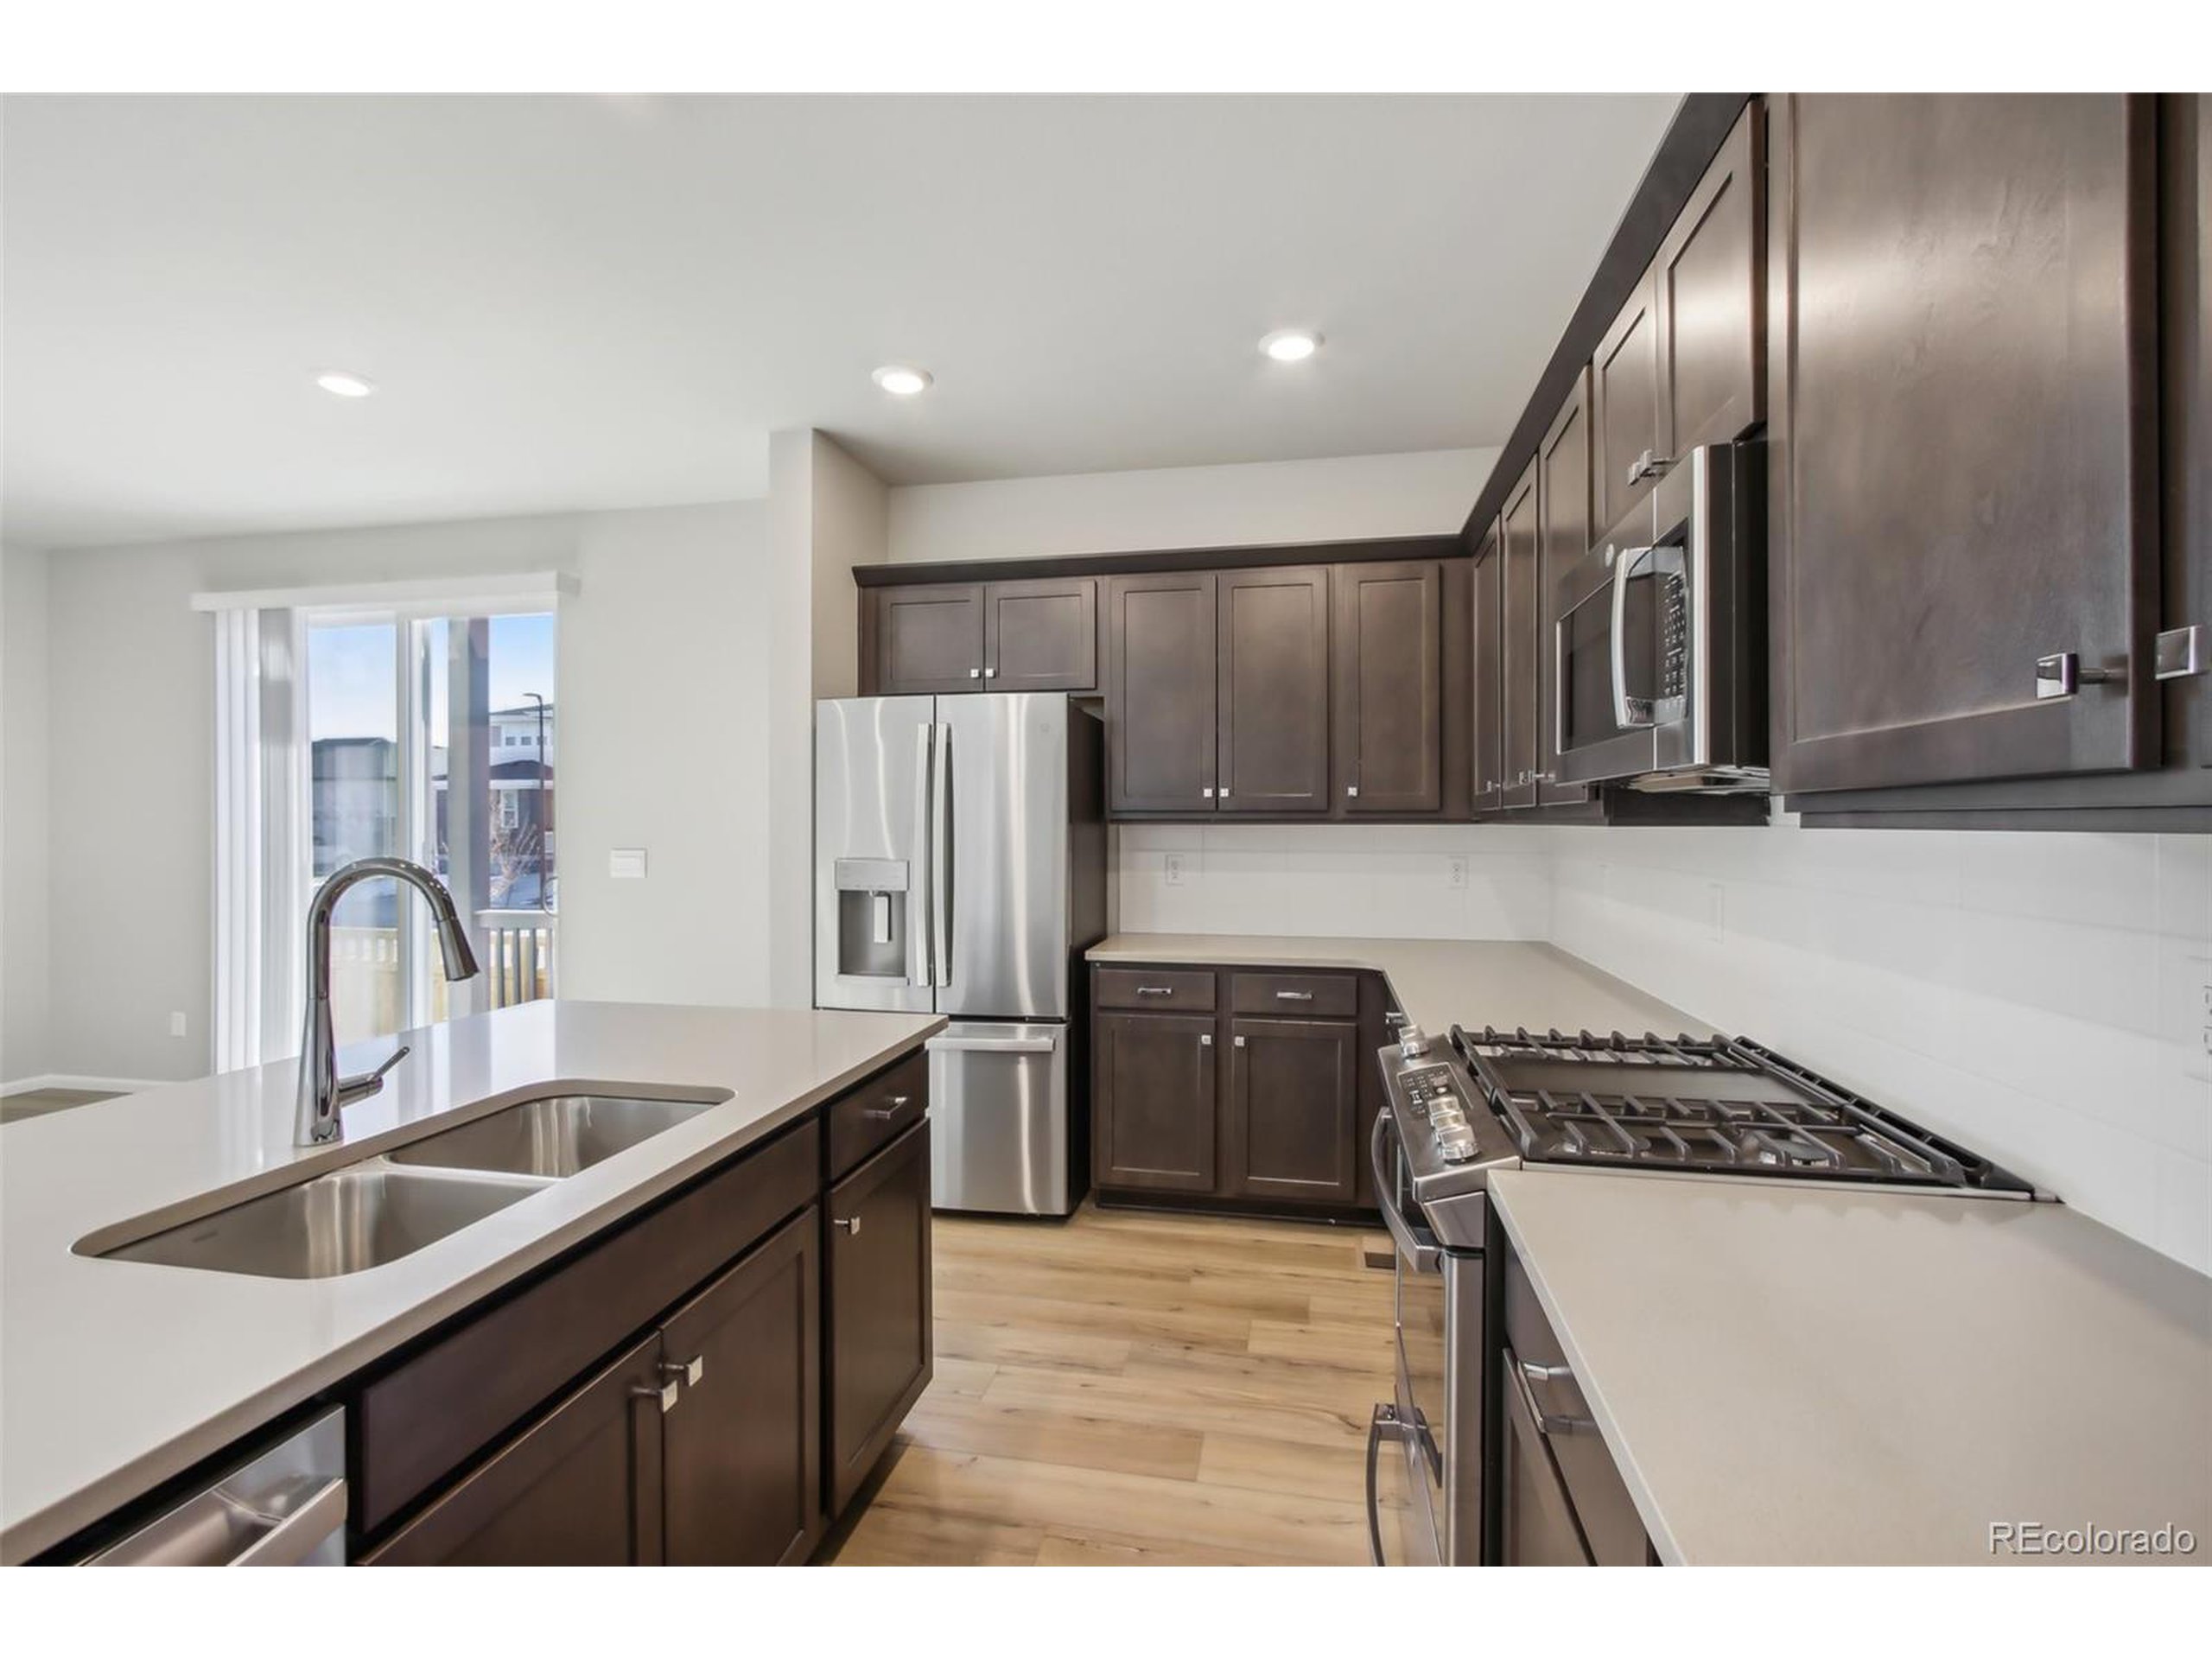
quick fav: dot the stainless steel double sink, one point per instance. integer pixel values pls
(390, 1206)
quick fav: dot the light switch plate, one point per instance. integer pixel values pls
(1455, 870)
(626, 863)
(177, 1023)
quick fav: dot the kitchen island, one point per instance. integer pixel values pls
(116, 1376)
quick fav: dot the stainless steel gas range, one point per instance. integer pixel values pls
(1711, 1107)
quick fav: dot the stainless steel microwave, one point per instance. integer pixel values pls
(1660, 647)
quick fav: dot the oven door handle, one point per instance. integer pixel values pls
(1382, 1425)
(1426, 1258)
(1625, 712)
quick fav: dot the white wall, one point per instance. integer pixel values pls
(23, 1004)
(1340, 497)
(666, 641)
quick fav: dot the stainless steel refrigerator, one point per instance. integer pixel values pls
(960, 868)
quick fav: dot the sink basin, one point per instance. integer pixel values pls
(555, 1136)
(337, 1224)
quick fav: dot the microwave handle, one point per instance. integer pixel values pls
(1624, 714)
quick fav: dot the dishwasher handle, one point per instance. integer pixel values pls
(991, 1045)
(221, 1528)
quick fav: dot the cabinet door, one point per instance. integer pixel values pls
(1963, 477)
(742, 1485)
(1564, 532)
(1041, 636)
(929, 640)
(1489, 673)
(1159, 693)
(1519, 702)
(1293, 1106)
(1712, 300)
(1537, 1524)
(580, 1487)
(1152, 1101)
(880, 1348)
(2186, 140)
(1388, 687)
(1273, 707)
(1624, 404)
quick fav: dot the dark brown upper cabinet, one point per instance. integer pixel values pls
(1488, 645)
(929, 640)
(1152, 1101)
(742, 1481)
(1964, 532)
(1626, 433)
(2186, 412)
(1711, 289)
(1389, 687)
(1161, 655)
(1294, 1104)
(1273, 702)
(991, 636)
(1683, 363)
(1564, 532)
(1519, 549)
(881, 1352)
(1041, 636)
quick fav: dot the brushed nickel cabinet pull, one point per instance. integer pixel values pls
(1294, 996)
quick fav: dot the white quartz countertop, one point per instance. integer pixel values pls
(1500, 983)
(1786, 1373)
(115, 1375)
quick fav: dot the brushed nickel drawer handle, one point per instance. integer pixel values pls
(1294, 996)
(1155, 990)
(885, 1114)
(668, 1394)
(850, 1223)
(692, 1370)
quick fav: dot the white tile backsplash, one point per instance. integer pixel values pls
(2042, 997)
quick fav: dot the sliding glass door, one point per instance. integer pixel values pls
(434, 737)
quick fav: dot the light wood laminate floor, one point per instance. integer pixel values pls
(1138, 1389)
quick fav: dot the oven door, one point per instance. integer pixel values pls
(1412, 1435)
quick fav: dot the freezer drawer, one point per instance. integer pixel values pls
(999, 1098)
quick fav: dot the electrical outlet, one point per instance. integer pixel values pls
(1174, 862)
(176, 1023)
(1455, 870)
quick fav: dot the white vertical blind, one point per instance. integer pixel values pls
(260, 834)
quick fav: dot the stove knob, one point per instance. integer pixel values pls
(1412, 1043)
(1456, 1146)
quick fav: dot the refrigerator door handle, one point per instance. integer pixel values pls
(941, 832)
(919, 951)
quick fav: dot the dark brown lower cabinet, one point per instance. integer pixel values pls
(1293, 1102)
(742, 1465)
(880, 1338)
(1152, 1101)
(1257, 1103)
(580, 1487)
(1537, 1526)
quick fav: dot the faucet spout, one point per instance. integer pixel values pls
(323, 1093)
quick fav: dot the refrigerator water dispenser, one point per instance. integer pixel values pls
(870, 917)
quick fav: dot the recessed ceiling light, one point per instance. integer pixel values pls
(901, 381)
(1291, 344)
(339, 384)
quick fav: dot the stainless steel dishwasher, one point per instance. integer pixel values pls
(284, 1506)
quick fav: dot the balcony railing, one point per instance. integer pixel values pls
(516, 949)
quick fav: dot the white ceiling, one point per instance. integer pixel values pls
(584, 303)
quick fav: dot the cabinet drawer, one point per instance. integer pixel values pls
(1305, 997)
(1602, 1505)
(886, 1105)
(422, 1420)
(1160, 989)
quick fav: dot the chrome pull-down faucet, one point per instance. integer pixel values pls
(323, 1093)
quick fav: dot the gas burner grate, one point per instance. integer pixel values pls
(1714, 1103)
